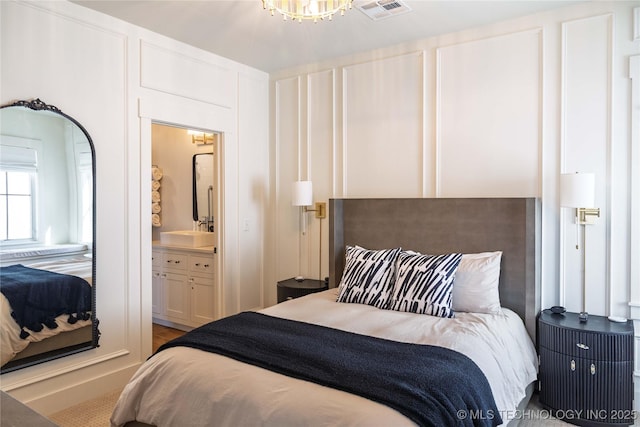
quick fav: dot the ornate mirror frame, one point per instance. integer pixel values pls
(62, 351)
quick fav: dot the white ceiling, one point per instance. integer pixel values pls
(244, 32)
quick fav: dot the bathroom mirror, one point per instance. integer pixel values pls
(47, 236)
(203, 189)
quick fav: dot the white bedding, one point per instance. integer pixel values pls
(184, 386)
(10, 342)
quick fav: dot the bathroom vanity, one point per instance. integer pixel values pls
(183, 286)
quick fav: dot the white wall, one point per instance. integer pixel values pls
(497, 111)
(115, 79)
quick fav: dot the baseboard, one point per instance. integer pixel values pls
(78, 393)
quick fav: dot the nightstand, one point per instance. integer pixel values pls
(586, 369)
(292, 288)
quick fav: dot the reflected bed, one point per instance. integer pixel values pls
(187, 386)
(14, 347)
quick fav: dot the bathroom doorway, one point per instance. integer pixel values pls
(186, 200)
(184, 157)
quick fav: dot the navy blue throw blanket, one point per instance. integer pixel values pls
(37, 297)
(433, 386)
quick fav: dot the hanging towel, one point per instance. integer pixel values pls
(155, 220)
(155, 185)
(156, 173)
(155, 208)
(155, 196)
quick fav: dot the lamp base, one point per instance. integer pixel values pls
(583, 317)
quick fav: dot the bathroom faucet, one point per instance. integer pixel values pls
(207, 222)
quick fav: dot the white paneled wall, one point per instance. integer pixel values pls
(116, 79)
(489, 117)
(184, 75)
(585, 147)
(634, 299)
(322, 142)
(498, 111)
(287, 152)
(382, 127)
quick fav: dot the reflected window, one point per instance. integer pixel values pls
(18, 169)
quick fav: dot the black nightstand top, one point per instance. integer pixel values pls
(598, 324)
(304, 284)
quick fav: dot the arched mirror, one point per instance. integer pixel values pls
(203, 189)
(47, 236)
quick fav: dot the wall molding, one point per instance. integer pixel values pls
(634, 208)
(390, 71)
(582, 164)
(526, 42)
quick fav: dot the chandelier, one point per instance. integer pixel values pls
(298, 10)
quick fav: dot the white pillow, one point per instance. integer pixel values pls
(475, 287)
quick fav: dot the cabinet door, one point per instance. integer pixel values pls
(202, 300)
(157, 293)
(176, 296)
(593, 390)
(558, 389)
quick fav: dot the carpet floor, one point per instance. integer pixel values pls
(96, 413)
(92, 413)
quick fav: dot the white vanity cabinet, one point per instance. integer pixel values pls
(183, 283)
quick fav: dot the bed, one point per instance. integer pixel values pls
(29, 337)
(184, 385)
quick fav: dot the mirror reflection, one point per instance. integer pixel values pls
(203, 190)
(47, 236)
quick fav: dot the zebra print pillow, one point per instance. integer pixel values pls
(368, 276)
(424, 283)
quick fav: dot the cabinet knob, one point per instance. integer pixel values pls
(573, 365)
(593, 369)
(206, 265)
(197, 264)
(582, 346)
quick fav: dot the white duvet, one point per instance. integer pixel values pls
(10, 342)
(187, 387)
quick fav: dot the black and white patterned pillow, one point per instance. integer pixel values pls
(368, 276)
(423, 283)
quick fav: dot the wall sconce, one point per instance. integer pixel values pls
(200, 138)
(577, 190)
(302, 195)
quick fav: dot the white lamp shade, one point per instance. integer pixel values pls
(577, 190)
(302, 194)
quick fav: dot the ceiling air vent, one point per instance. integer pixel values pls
(383, 9)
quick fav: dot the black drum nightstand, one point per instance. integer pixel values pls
(586, 369)
(292, 288)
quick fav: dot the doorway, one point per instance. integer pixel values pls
(185, 198)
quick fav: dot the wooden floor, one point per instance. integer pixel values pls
(162, 334)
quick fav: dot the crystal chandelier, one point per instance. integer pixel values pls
(298, 10)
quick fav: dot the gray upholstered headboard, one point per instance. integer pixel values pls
(435, 226)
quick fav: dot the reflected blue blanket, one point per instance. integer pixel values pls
(425, 383)
(37, 297)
